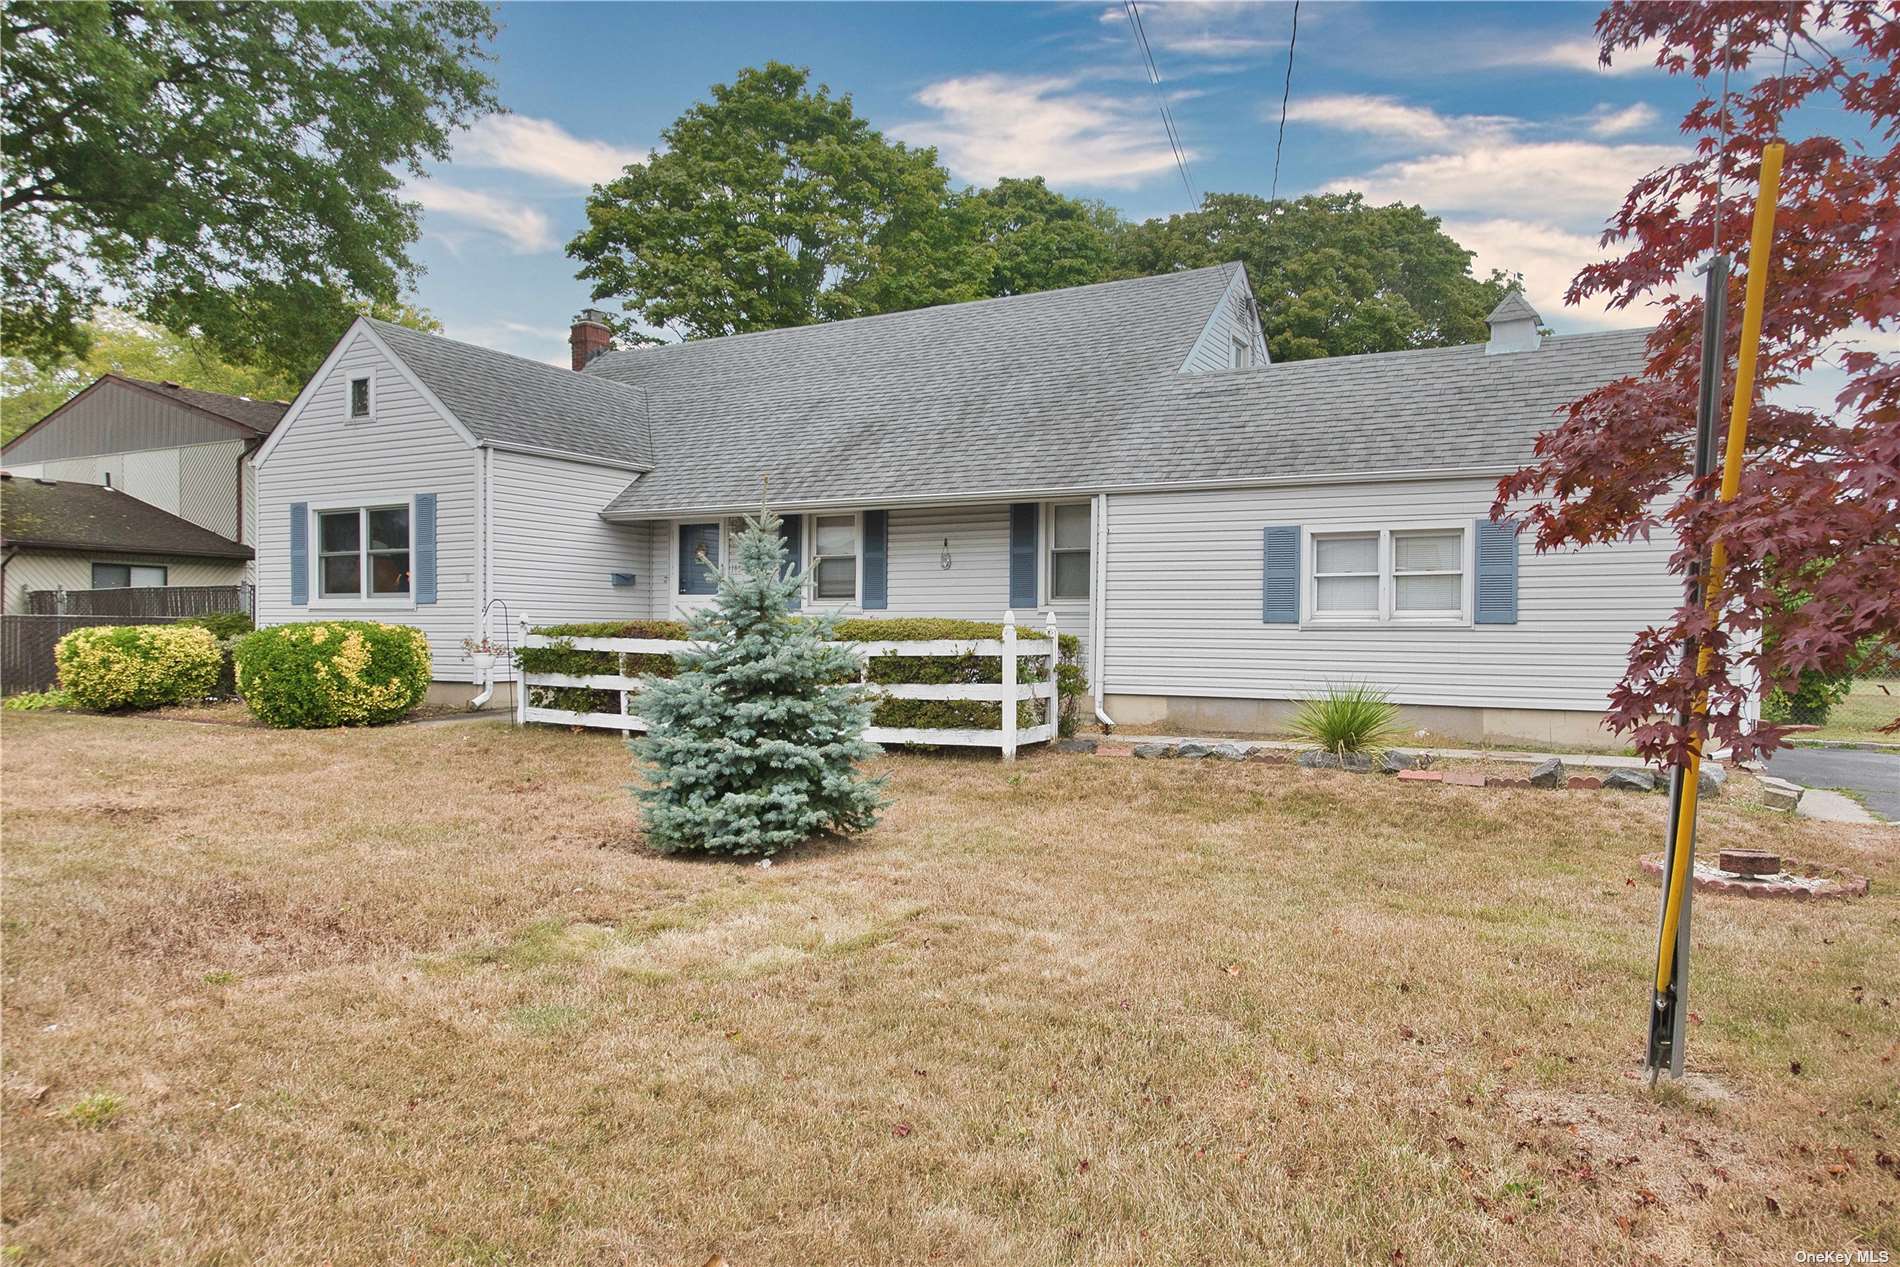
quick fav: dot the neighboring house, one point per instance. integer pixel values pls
(184, 451)
(1226, 535)
(60, 534)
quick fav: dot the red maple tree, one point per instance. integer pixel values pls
(1813, 538)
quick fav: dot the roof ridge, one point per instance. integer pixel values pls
(381, 324)
(167, 386)
(911, 312)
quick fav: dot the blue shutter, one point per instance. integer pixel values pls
(1496, 587)
(300, 554)
(791, 530)
(877, 556)
(1280, 574)
(422, 549)
(1022, 554)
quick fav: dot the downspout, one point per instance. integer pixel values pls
(1098, 607)
(486, 574)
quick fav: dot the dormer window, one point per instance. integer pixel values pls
(360, 399)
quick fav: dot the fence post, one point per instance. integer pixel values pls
(1009, 686)
(521, 677)
(1055, 657)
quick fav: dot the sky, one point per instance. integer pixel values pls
(1495, 117)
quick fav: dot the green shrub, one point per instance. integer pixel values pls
(109, 667)
(1809, 704)
(222, 624)
(37, 701)
(1351, 718)
(332, 673)
(1071, 681)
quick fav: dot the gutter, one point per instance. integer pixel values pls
(1098, 606)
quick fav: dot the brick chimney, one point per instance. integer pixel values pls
(590, 337)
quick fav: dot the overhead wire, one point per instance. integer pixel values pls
(1161, 98)
(1286, 95)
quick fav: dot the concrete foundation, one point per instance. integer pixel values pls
(1552, 729)
(459, 693)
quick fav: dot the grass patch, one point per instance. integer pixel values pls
(1078, 1010)
(1871, 704)
(96, 1110)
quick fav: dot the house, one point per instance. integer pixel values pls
(1226, 535)
(184, 451)
(72, 535)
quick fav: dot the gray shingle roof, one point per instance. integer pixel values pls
(1068, 390)
(1514, 307)
(257, 415)
(513, 402)
(63, 515)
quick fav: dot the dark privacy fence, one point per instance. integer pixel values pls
(27, 642)
(160, 602)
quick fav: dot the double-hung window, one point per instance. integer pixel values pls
(363, 552)
(1069, 551)
(699, 558)
(834, 558)
(1388, 574)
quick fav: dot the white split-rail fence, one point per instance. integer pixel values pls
(1013, 689)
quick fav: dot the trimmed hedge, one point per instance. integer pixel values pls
(109, 667)
(1071, 681)
(332, 673)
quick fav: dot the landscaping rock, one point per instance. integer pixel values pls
(1353, 762)
(1073, 745)
(1709, 784)
(1780, 794)
(1548, 774)
(1157, 750)
(1629, 781)
(1193, 751)
(1391, 762)
(1233, 751)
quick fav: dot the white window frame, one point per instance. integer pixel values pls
(808, 546)
(349, 398)
(1242, 354)
(1387, 614)
(1048, 579)
(364, 601)
(95, 564)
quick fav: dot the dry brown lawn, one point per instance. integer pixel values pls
(421, 995)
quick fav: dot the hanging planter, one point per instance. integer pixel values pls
(481, 653)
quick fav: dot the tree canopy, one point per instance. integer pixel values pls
(1813, 538)
(1332, 276)
(233, 170)
(774, 204)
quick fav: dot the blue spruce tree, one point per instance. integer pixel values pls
(753, 745)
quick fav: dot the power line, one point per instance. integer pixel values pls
(1161, 98)
(1286, 95)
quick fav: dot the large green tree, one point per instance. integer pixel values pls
(1034, 239)
(234, 170)
(1333, 276)
(775, 204)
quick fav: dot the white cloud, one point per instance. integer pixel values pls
(989, 126)
(543, 148)
(1607, 121)
(1196, 28)
(526, 229)
(1522, 199)
(1577, 54)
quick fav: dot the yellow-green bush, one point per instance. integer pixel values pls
(332, 673)
(110, 667)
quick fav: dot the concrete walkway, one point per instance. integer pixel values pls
(1873, 775)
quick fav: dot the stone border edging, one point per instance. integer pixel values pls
(1824, 881)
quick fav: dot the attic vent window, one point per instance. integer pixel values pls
(1243, 354)
(360, 397)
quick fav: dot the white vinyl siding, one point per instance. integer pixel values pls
(554, 556)
(325, 460)
(1183, 605)
(1231, 322)
(198, 482)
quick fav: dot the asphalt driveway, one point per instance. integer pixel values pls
(1875, 776)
